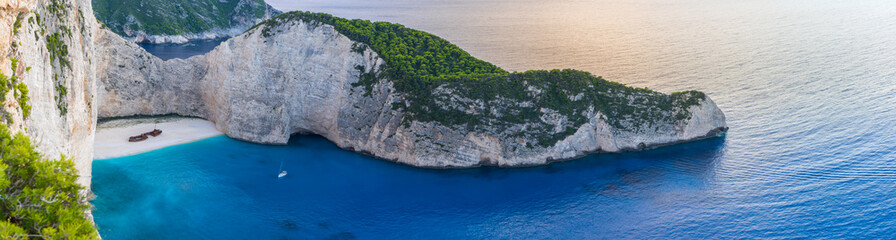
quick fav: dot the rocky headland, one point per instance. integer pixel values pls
(263, 87)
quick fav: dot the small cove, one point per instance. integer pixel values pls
(182, 51)
(807, 88)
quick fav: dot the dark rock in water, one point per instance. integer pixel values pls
(289, 225)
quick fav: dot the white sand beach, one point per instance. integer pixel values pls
(112, 136)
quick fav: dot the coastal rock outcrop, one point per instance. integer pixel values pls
(263, 87)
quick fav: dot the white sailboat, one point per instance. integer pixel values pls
(282, 173)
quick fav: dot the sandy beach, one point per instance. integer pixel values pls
(112, 136)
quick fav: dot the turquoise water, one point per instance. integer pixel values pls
(224, 188)
(809, 89)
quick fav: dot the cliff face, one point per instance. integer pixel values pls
(300, 80)
(261, 89)
(52, 44)
(249, 92)
(179, 21)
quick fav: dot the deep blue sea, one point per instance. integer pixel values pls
(809, 89)
(183, 51)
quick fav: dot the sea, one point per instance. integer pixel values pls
(808, 88)
(182, 51)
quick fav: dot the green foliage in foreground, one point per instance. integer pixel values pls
(174, 17)
(420, 64)
(39, 198)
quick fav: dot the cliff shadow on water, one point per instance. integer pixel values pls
(695, 158)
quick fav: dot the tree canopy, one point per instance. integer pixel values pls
(39, 198)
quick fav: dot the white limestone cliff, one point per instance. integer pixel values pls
(263, 89)
(54, 131)
(260, 89)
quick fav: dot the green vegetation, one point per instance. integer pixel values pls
(20, 89)
(17, 25)
(22, 98)
(412, 55)
(442, 83)
(82, 22)
(61, 91)
(56, 45)
(39, 198)
(59, 9)
(367, 79)
(58, 50)
(176, 17)
(575, 95)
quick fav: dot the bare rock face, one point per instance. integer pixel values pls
(53, 49)
(299, 80)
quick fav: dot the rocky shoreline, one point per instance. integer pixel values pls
(217, 33)
(178, 22)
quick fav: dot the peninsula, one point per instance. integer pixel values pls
(394, 93)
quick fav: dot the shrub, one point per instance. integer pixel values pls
(39, 197)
